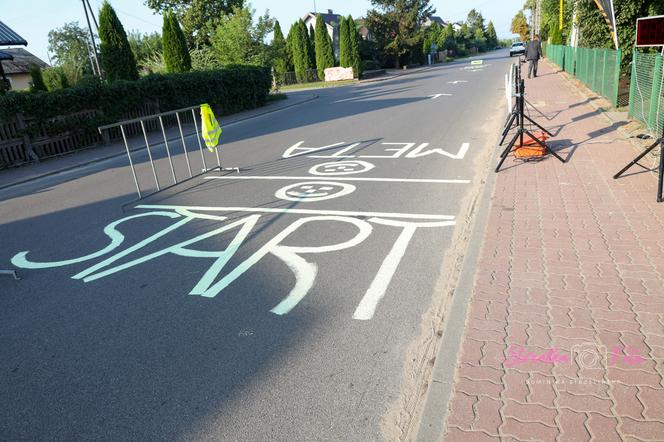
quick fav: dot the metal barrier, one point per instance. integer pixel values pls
(160, 117)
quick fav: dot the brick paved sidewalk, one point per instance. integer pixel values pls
(571, 269)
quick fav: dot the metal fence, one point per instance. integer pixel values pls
(597, 68)
(289, 78)
(646, 103)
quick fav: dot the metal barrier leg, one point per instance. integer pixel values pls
(11, 273)
(198, 137)
(168, 151)
(131, 163)
(184, 145)
(147, 145)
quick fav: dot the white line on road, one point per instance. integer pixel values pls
(336, 178)
(434, 96)
(299, 211)
(457, 82)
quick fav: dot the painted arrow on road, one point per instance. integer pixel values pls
(434, 96)
(457, 82)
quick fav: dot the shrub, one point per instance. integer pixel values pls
(228, 90)
(37, 83)
(55, 78)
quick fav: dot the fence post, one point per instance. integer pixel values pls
(593, 79)
(605, 53)
(654, 94)
(27, 143)
(616, 83)
(632, 87)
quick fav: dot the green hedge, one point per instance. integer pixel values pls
(228, 90)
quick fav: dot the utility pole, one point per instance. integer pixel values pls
(92, 38)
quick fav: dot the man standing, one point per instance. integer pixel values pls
(533, 54)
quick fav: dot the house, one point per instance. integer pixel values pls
(363, 30)
(434, 19)
(332, 21)
(15, 63)
(17, 69)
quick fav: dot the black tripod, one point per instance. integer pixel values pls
(518, 111)
(660, 178)
(521, 130)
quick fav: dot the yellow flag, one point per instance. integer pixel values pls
(210, 129)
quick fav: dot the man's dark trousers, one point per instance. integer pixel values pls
(532, 68)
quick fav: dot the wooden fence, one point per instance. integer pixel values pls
(24, 140)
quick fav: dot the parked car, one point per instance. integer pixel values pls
(518, 48)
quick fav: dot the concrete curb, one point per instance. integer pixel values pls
(175, 138)
(432, 424)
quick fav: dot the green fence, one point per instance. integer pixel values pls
(597, 68)
(646, 103)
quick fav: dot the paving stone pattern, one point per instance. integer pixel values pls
(572, 262)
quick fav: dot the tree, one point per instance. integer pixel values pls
(279, 52)
(491, 36)
(311, 50)
(37, 84)
(68, 47)
(176, 54)
(448, 38)
(479, 41)
(296, 42)
(520, 25)
(238, 40)
(116, 55)
(144, 45)
(199, 18)
(323, 46)
(355, 60)
(344, 43)
(475, 21)
(55, 78)
(395, 25)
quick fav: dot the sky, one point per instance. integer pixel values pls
(32, 19)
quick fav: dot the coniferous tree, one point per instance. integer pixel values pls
(300, 51)
(311, 50)
(176, 54)
(116, 54)
(324, 51)
(37, 79)
(354, 37)
(491, 36)
(344, 43)
(280, 51)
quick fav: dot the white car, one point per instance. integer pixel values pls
(517, 49)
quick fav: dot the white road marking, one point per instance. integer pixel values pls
(434, 96)
(397, 152)
(457, 82)
(299, 211)
(336, 168)
(312, 178)
(311, 191)
(367, 306)
(420, 152)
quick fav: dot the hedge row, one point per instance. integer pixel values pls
(228, 90)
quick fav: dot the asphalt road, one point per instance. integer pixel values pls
(275, 304)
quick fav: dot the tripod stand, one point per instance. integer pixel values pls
(514, 120)
(520, 116)
(660, 178)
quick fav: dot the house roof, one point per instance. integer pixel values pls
(435, 19)
(9, 37)
(22, 61)
(328, 18)
(5, 56)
